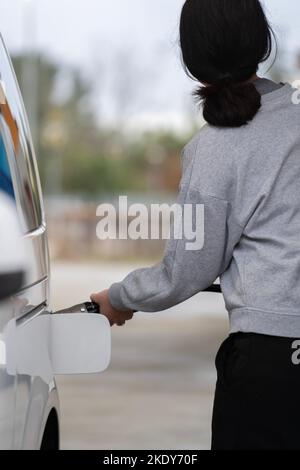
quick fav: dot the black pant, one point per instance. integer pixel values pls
(257, 400)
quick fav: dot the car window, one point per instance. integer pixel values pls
(6, 184)
(16, 146)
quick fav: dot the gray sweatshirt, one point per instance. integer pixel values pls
(248, 180)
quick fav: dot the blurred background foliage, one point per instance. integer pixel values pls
(77, 154)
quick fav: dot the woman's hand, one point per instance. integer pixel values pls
(115, 317)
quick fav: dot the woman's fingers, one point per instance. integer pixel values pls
(95, 298)
(114, 316)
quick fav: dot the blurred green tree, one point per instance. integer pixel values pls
(77, 155)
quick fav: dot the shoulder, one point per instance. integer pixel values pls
(211, 144)
(209, 161)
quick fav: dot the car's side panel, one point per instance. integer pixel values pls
(27, 396)
(7, 384)
(30, 299)
(31, 420)
(36, 244)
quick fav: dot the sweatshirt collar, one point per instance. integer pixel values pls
(276, 95)
(265, 86)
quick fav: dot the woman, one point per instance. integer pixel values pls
(244, 166)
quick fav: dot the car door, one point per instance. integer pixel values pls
(12, 270)
(38, 344)
(7, 382)
(16, 140)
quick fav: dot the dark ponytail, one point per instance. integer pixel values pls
(223, 42)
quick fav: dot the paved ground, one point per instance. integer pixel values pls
(158, 391)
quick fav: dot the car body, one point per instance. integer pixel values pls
(29, 404)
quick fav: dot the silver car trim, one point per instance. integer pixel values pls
(31, 315)
(31, 298)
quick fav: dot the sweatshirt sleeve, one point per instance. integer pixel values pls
(187, 268)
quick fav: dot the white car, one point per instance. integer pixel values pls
(35, 344)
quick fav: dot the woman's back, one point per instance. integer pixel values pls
(255, 169)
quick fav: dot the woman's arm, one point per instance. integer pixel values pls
(183, 272)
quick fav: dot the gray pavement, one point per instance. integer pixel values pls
(158, 390)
